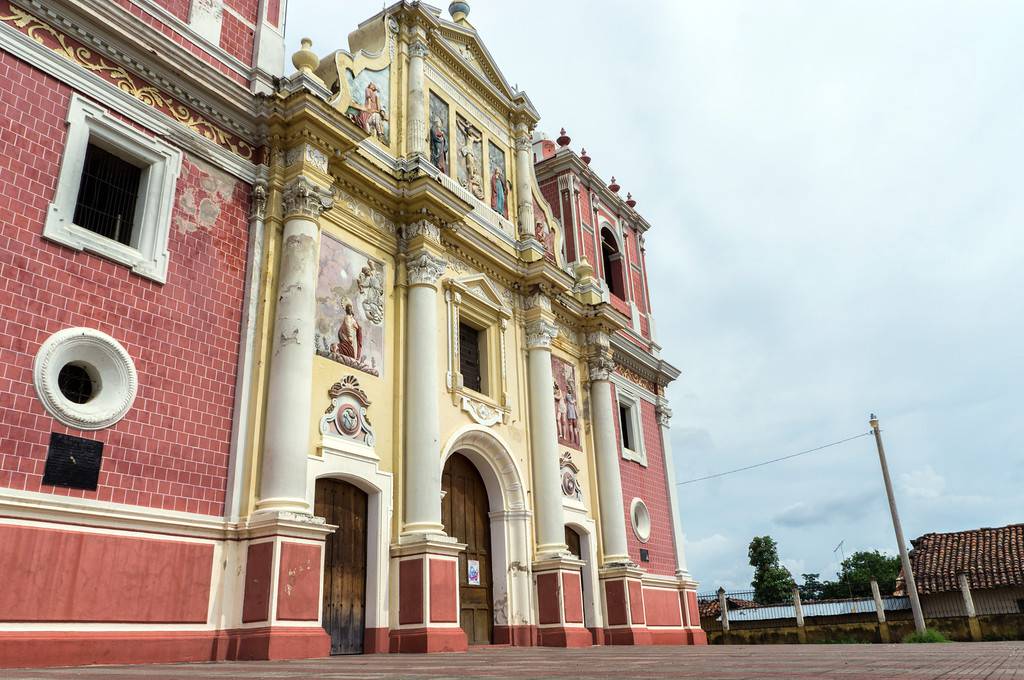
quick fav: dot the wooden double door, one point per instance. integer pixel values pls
(344, 615)
(465, 513)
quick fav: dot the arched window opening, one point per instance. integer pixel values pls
(611, 258)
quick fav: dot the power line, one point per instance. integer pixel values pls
(776, 460)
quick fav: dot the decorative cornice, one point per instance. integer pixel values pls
(540, 334)
(424, 269)
(304, 198)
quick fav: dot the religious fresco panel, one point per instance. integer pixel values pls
(567, 403)
(437, 138)
(470, 152)
(500, 188)
(350, 307)
(371, 97)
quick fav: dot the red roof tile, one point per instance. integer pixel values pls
(992, 558)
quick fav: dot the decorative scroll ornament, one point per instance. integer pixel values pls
(346, 416)
(258, 209)
(72, 50)
(664, 413)
(540, 334)
(424, 228)
(601, 368)
(570, 482)
(424, 269)
(481, 413)
(306, 198)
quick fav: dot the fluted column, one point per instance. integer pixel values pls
(422, 420)
(664, 414)
(550, 521)
(289, 386)
(606, 453)
(416, 129)
(524, 185)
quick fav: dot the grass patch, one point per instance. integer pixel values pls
(929, 635)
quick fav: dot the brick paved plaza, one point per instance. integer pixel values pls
(991, 660)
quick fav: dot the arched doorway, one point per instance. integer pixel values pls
(465, 513)
(344, 602)
(611, 264)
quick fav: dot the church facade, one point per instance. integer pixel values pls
(341, 358)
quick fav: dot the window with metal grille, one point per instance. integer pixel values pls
(107, 195)
(469, 357)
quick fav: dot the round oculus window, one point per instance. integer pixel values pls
(85, 378)
(640, 518)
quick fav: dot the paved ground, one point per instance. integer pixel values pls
(988, 660)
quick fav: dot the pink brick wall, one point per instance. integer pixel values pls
(179, 8)
(236, 38)
(171, 449)
(649, 485)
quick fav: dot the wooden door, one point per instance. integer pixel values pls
(464, 512)
(342, 504)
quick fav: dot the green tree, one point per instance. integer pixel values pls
(812, 588)
(772, 582)
(861, 567)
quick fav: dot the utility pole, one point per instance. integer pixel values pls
(908, 573)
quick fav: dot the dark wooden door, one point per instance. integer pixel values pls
(344, 564)
(464, 512)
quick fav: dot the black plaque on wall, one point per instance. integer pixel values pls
(73, 462)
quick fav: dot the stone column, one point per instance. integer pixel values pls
(416, 129)
(664, 414)
(798, 610)
(606, 453)
(422, 420)
(524, 185)
(289, 385)
(723, 608)
(883, 627)
(547, 491)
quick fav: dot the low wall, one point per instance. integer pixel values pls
(993, 627)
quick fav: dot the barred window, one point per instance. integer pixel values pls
(107, 195)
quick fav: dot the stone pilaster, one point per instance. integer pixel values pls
(416, 128)
(289, 386)
(664, 414)
(524, 183)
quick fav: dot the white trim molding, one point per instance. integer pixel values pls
(108, 365)
(640, 519)
(89, 123)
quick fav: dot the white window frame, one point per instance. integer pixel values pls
(637, 454)
(148, 256)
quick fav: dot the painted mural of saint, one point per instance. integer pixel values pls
(439, 146)
(498, 193)
(350, 335)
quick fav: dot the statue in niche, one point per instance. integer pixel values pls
(567, 420)
(470, 148)
(439, 146)
(499, 186)
(370, 115)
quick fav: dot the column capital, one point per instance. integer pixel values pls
(418, 47)
(540, 333)
(258, 206)
(600, 367)
(303, 197)
(423, 268)
(663, 412)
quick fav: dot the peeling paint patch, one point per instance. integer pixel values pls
(202, 191)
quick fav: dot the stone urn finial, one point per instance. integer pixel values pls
(629, 200)
(614, 186)
(585, 157)
(563, 139)
(305, 60)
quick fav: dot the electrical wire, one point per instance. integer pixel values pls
(776, 460)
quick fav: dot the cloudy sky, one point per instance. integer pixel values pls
(838, 228)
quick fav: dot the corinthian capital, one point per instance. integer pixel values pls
(600, 367)
(305, 198)
(540, 334)
(424, 269)
(663, 412)
(418, 48)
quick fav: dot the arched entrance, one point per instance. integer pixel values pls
(344, 600)
(465, 513)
